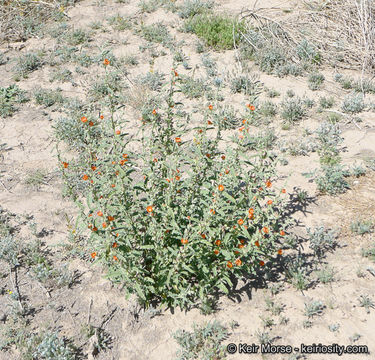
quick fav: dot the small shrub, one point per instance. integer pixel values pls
(321, 240)
(272, 93)
(191, 8)
(369, 252)
(193, 89)
(77, 37)
(366, 302)
(27, 63)
(157, 33)
(361, 227)
(268, 109)
(297, 273)
(245, 85)
(328, 137)
(152, 80)
(315, 81)
(326, 275)
(215, 30)
(314, 308)
(204, 342)
(119, 23)
(307, 52)
(353, 103)
(292, 109)
(326, 102)
(270, 59)
(332, 180)
(48, 98)
(209, 64)
(61, 75)
(9, 97)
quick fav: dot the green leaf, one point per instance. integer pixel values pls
(223, 288)
(139, 291)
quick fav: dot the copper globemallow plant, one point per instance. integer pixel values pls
(181, 223)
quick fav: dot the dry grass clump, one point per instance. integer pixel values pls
(342, 30)
(22, 19)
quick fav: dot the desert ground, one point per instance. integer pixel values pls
(314, 109)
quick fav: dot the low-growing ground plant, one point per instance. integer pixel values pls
(176, 220)
(326, 102)
(119, 22)
(315, 81)
(157, 33)
(326, 274)
(332, 180)
(321, 240)
(48, 98)
(369, 252)
(292, 109)
(27, 63)
(190, 8)
(366, 302)
(361, 227)
(204, 342)
(328, 138)
(353, 103)
(314, 308)
(192, 88)
(244, 84)
(9, 97)
(215, 30)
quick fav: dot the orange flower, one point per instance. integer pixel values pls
(124, 156)
(155, 160)
(93, 167)
(114, 245)
(65, 164)
(149, 209)
(222, 157)
(118, 132)
(283, 191)
(221, 187)
(269, 202)
(91, 123)
(240, 246)
(85, 177)
(203, 236)
(261, 263)
(184, 241)
(208, 155)
(282, 232)
(175, 73)
(95, 229)
(106, 62)
(268, 183)
(227, 171)
(99, 213)
(177, 139)
(265, 230)
(210, 107)
(101, 117)
(240, 222)
(251, 107)
(238, 262)
(117, 234)
(241, 128)
(242, 241)
(122, 162)
(84, 119)
(216, 251)
(154, 112)
(257, 243)
(212, 211)
(104, 225)
(229, 264)
(244, 121)
(218, 242)
(110, 218)
(115, 258)
(280, 251)
(113, 185)
(209, 122)
(260, 189)
(93, 255)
